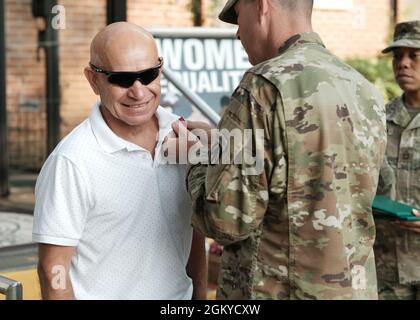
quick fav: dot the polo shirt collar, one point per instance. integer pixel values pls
(111, 143)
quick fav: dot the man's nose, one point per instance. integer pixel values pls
(137, 90)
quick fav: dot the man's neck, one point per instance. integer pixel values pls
(412, 99)
(279, 37)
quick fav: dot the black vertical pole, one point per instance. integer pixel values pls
(116, 11)
(197, 8)
(395, 9)
(4, 155)
(52, 80)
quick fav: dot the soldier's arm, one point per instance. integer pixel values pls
(230, 198)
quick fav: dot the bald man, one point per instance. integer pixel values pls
(112, 220)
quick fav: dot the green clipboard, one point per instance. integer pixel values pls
(386, 208)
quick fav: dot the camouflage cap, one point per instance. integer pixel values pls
(407, 34)
(228, 13)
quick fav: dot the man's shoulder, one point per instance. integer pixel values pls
(313, 63)
(321, 71)
(253, 87)
(256, 83)
(295, 59)
(79, 141)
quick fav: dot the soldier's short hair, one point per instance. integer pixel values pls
(299, 6)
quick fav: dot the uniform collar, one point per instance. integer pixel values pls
(397, 113)
(300, 39)
(111, 143)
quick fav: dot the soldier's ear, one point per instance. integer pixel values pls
(263, 9)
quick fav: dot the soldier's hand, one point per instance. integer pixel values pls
(198, 129)
(413, 226)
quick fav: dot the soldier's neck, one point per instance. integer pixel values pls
(412, 99)
(290, 26)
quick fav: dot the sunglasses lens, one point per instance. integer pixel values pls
(126, 80)
(122, 80)
(148, 76)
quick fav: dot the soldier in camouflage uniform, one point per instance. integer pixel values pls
(303, 228)
(397, 248)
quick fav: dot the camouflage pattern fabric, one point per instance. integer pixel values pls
(302, 229)
(397, 251)
(389, 290)
(407, 34)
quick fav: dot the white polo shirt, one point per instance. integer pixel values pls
(128, 215)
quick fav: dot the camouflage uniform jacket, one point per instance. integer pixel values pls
(397, 251)
(303, 228)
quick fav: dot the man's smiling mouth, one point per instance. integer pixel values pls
(137, 106)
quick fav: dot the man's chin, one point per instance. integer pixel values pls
(139, 120)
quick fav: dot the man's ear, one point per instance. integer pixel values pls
(92, 78)
(263, 8)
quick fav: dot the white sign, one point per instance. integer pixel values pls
(210, 67)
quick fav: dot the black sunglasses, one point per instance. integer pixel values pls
(127, 79)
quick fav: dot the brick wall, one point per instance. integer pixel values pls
(160, 13)
(82, 23)
(408, 10)
(25, 78)
(213, 8)
(361, 31)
